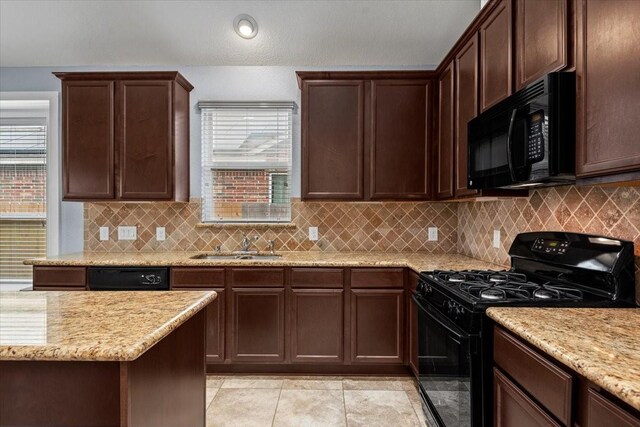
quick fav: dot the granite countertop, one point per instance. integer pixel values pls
(415, 260)
(91, 326)
(601, 344)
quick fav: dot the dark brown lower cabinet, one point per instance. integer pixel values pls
(257, 325)
(512, 407)
(316, 319)
(215, 337)
(602, 412)
(532, 389)
(377, 326)
(59, 278)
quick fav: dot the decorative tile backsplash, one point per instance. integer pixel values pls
(613, 212)
(342, 226)
(607, 211)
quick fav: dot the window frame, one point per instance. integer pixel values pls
(54, 177)
(206, 168)
(53, 160)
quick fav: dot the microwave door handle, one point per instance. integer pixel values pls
(509, 142)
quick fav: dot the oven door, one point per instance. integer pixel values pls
(444, 366)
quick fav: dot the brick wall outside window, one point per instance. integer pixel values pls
(22, 189)
(241, 186)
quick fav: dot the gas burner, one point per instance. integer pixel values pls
(507, 277)
(543, 293)
(493, 294)
(457, 278)
(548, 291)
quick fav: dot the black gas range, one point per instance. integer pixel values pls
(548, 269)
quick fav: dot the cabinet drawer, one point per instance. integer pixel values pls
(60, 277)
(257, 277)
(197, 277)
(603, 413)
(512, 407)
(377, 278)
(317, 277)
(544, 381)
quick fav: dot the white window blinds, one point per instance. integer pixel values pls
(246, 161)
(22, 196)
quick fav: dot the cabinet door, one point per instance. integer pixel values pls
(398, 151)
(317, 325)
(607, 65)
(215, 323)
(445, 155)
(495, 56)
(145, 139)
(412, 323)
(88, 140)
(466, 107)
(332, 139)
(540, 39)
(601, 412)
(257, 325)
(512, 407)
(377, 326)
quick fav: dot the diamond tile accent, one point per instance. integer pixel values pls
(613, 212)
(343, 226)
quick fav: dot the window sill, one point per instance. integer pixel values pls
(247, 225)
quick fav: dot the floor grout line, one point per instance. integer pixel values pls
(273, 420)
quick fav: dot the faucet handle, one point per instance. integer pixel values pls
(218, 248)
(271, 244)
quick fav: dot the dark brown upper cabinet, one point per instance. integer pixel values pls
(444, 147)
(495, 55)
(364, 135)
(125, 136)
(398, 146)
(466, 108)
(541, 39)
(607, 67)
(332, 139)
(88, 127)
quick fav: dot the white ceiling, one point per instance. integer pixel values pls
(188, 32)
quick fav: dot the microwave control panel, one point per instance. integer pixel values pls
(550, 246)
(536, 137)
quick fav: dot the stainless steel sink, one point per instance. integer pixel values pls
(237, 256)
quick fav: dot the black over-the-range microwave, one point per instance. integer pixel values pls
(526, 140)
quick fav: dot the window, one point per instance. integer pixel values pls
(23, 176)
(246, 161)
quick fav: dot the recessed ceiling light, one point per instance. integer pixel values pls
(245, 26)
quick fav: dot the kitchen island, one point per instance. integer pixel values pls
(103, 358)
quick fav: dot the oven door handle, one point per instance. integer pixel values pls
(509, 142)
(461, 336)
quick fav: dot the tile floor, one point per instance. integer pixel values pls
(250, 401)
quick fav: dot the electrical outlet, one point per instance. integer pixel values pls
(313, 233)
(496, 239)
(161, 234)
(127, 232)
(104, 234)
(433, 234)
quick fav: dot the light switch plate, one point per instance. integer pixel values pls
(433, 234)
(127, 232)
(496, 239)
(104, 234)
(161, 234)
(313, 233)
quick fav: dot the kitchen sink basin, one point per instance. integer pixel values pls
(236, 256)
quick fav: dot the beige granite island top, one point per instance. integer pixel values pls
(91, 326)
(601, 344)
(416, 260)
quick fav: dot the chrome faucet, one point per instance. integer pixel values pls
(245, 243)
(271, 244)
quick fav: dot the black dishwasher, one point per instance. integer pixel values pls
(128, 278)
